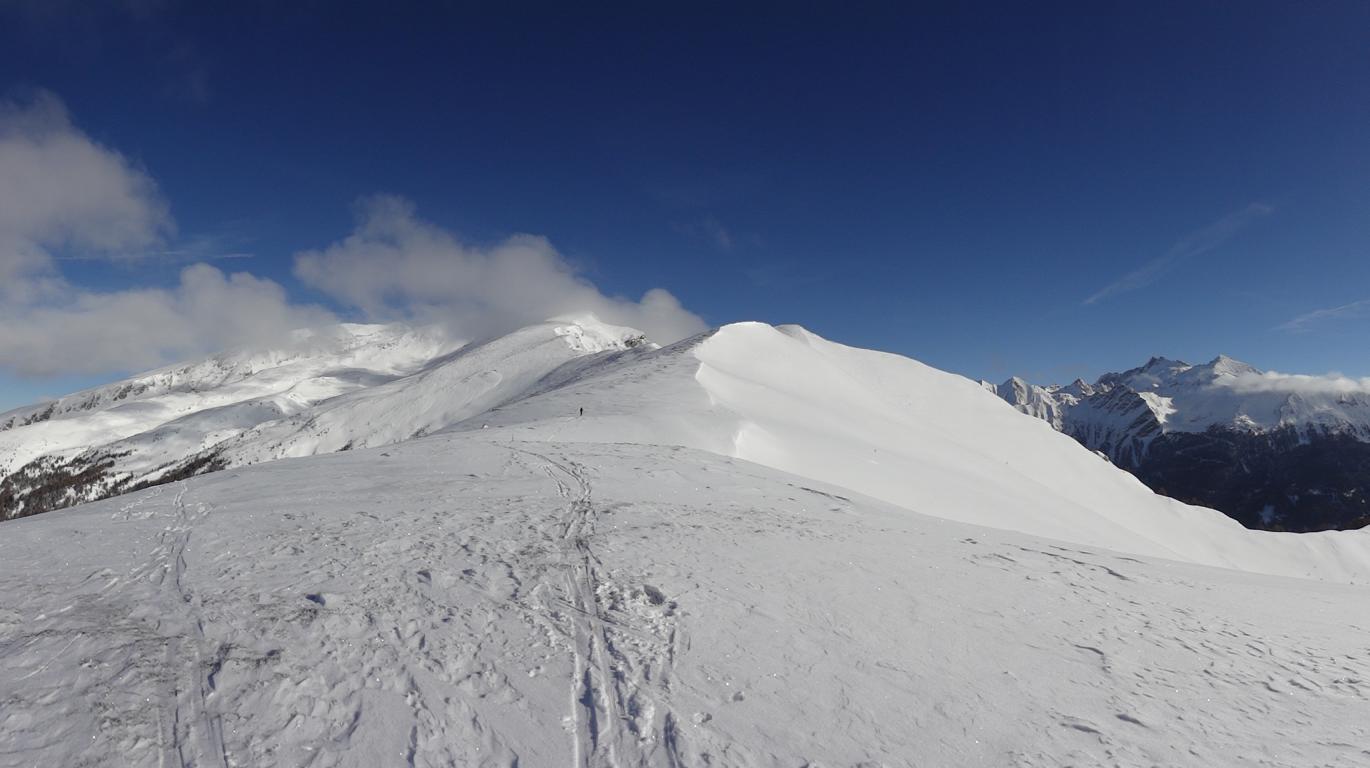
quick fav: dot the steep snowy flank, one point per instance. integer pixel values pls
(897, 430)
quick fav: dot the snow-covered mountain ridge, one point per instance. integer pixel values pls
(322, 391)
(1174, 396)
(568, 546)
(113, 434)
(309, 367)
(1162, 419)
(749, 537)
(878, 424)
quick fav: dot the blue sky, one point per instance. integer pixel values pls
(1051, 191)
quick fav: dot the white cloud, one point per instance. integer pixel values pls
(64, 196)
(92, 332)
(1194, 244)
(395, 265)
(709, 229)
(59, 189)
(63, 193)
(1333, 384)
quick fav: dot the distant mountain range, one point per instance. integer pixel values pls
(1275, 452)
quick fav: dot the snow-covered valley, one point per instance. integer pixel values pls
(755, 547)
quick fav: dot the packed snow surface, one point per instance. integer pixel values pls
(481, 600)
(755, 548)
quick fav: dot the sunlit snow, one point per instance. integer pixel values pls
(754, 548)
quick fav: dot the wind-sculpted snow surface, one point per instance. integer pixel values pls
(479, 600)
(895, 429)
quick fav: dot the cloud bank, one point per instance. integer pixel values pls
(65, 196)
(94, 332)
(59, 189)
(1331, 384)
(61, 193)
(394, 265)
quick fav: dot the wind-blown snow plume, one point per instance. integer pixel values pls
(394, 264)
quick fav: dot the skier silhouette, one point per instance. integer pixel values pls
(582, 410)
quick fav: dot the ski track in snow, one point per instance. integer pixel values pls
(615, 686)
(471, 601)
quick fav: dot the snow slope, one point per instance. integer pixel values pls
(364, 385)
(878, 424)
(897, 430)
(459, 386)
(475, 599)
(755, 548)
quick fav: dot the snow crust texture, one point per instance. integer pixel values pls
(467, 600)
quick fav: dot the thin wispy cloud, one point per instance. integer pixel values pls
(1192, 245)
(718, 233)
(173, 255)
(1308, 319)
(786, 275)
(711, 229)
(187, 250)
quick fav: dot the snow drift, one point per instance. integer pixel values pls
(897, 430)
